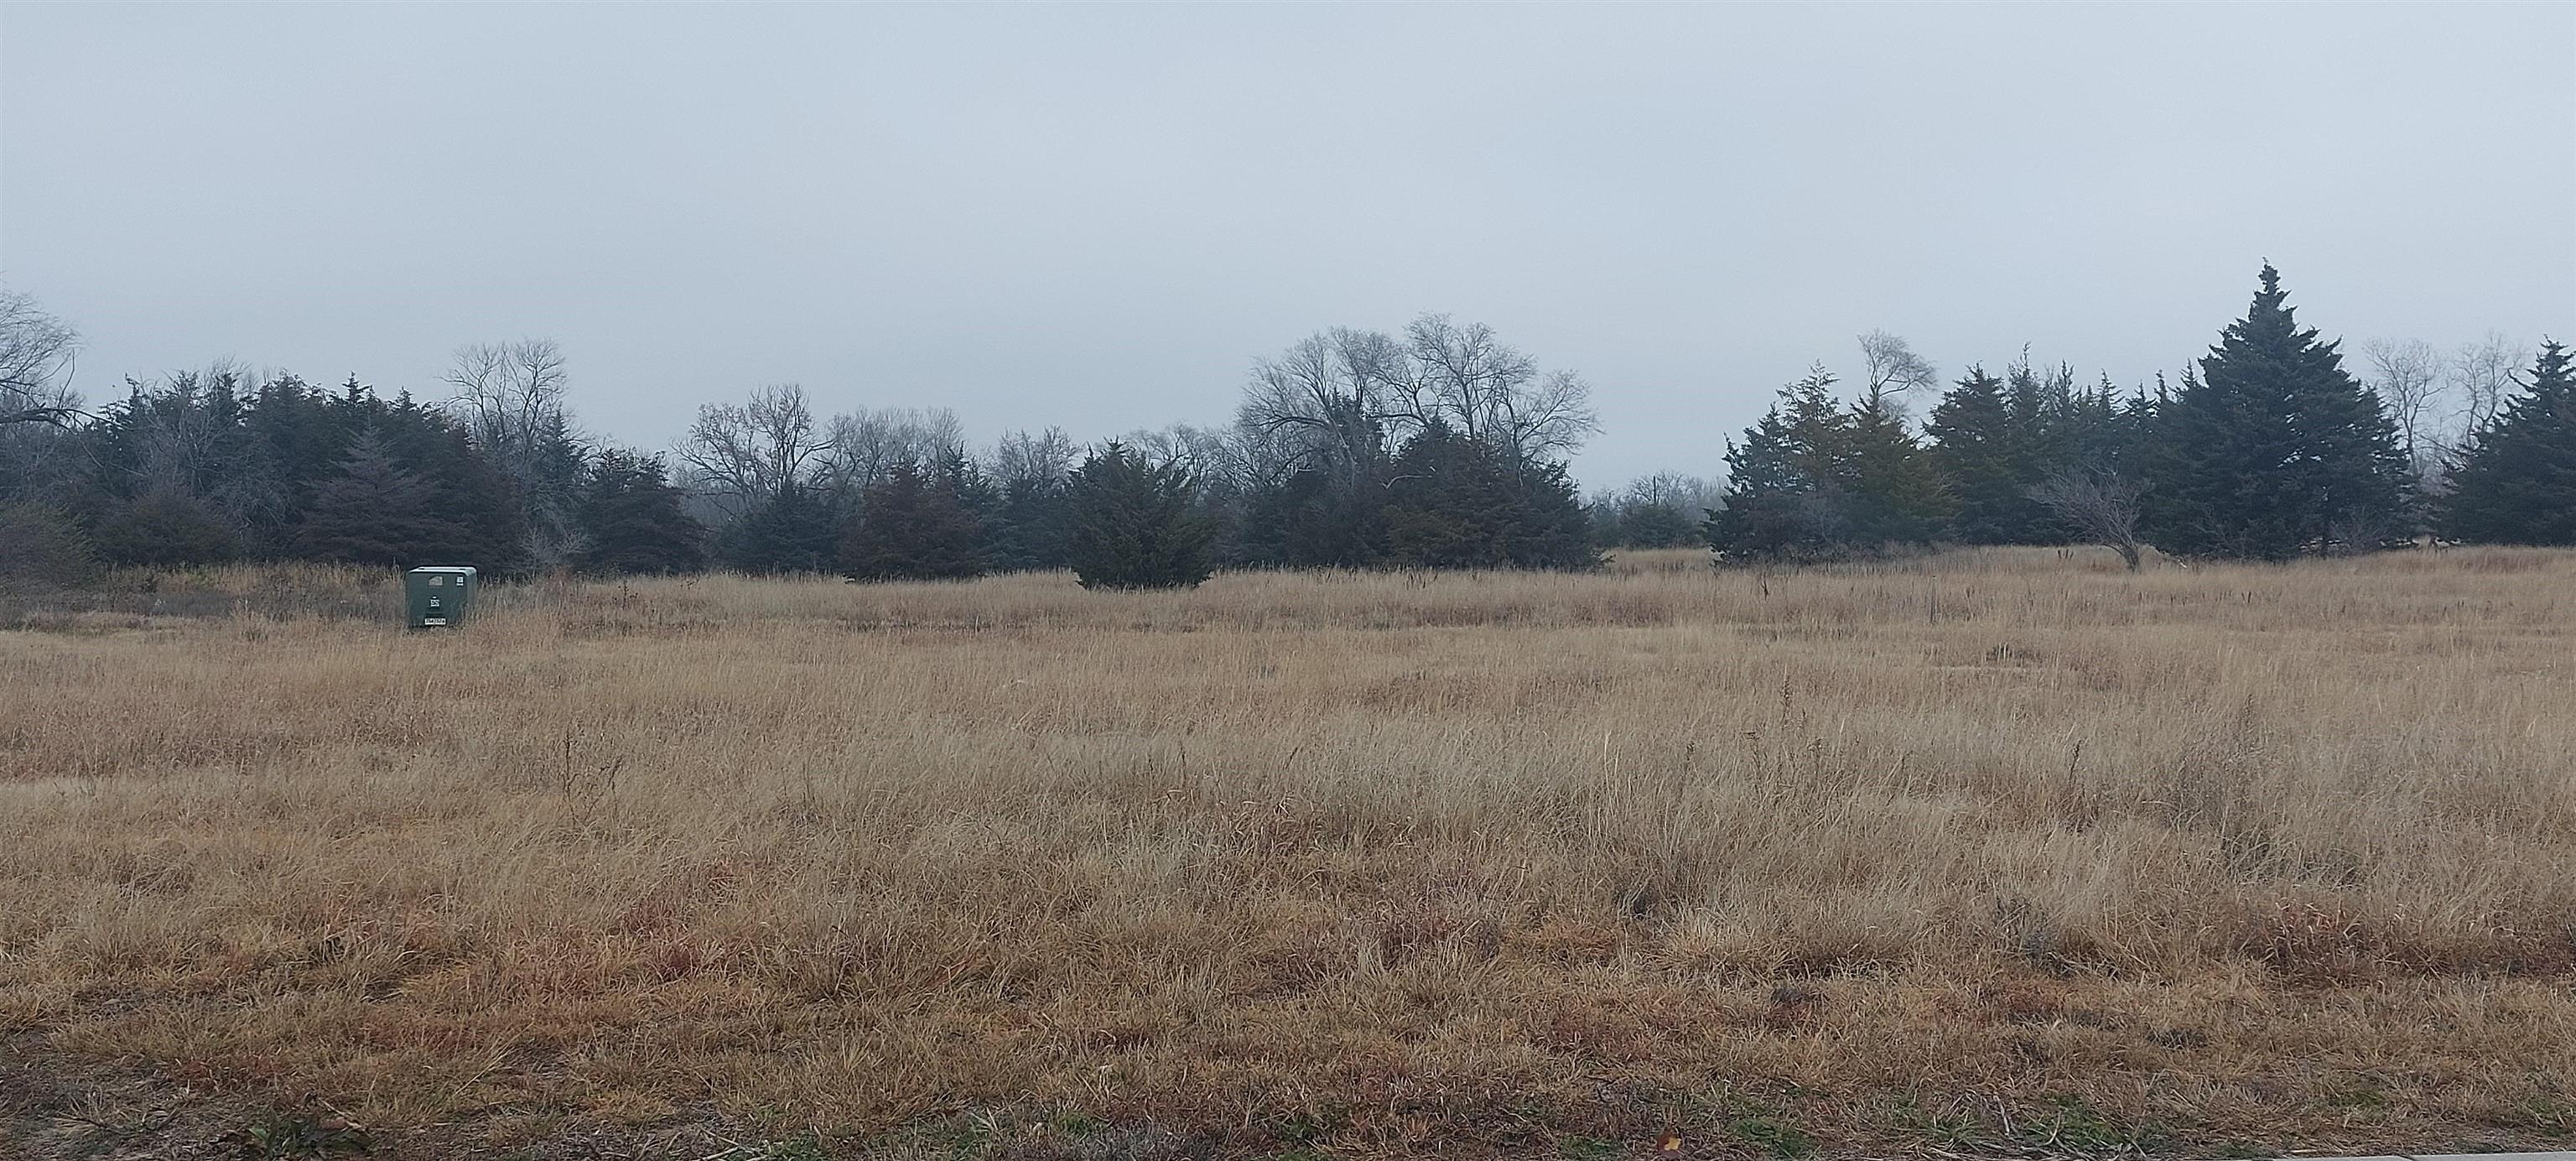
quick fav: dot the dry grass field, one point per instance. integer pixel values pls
(1994, 853)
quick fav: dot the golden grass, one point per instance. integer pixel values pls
(1996, 850)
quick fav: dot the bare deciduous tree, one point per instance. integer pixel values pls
(1325, 402)
(742, 454)
(2100, 505)
(1213, 456)
(1046, 457)
(2482, 373)
(511, 398)
(1338, 398)
(509, 394)
(862, 446)
(1893, 370)
(2407, 374)
(36, 355)
(1672, 490)
(1467, 378)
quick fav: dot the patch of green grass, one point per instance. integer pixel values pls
(1948, 1127)
(1753, 1122)
(1305, 1127)
(1077, 1124)
(2073, 1125)
(288, 1135)
(801, 1147)
(2548, 1116)
(1770, 1133)
(963, 1138)
(1586, 1148)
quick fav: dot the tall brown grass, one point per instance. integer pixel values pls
(2003, 850)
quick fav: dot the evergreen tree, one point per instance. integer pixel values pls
(1317, 518)
(630, 519)
(1331, 511)
(1892, 489)
(2274, 450)
(1135, 525)
(558, 473)
(294, 455)
(1783, 496)
(796, 530)
(1456, 501)
(377, 512)
(2515, 483)
(1815, 480)
(1650, 525)
(466, 486)
(164, 527)
(914, 523)
(43, 547)
(1983, 456)
(1029, 526)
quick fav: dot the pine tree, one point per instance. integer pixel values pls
(1318, 518)
(1650, 525)
(1456, 501)
(43, 547)
(1136, 525)
(1782, 496)
(796, 530)
(375, 511)
(630, 519)
(1975, 444)
(164, 527)
(914, 523)
(1029, 526)
(2274, 450)
(558, 472)
(2515, 483)
(1892, 489)
(1815, 479)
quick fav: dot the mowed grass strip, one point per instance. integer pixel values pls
(2004, 849)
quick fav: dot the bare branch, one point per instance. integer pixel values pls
(37, 351)
(742, 454)
(2482, 373)
(2098, 504)
(2407, 375)
(1893, 369)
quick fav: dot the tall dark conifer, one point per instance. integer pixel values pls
(1816, 479)
(1782, 496)
(914, 523)
(1029, 525)
(630, 519)
(2516, 481)
(796, 530)
(1455, 501)
(1136, 525)
(376, 511)
(1973, 441)
(2274, 450)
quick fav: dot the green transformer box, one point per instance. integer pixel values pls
(438, 598)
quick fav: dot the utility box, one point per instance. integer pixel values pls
(438, 598)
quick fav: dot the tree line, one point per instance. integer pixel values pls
(1436, 446)
(2268, 448)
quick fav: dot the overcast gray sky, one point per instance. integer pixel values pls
(1098, 216)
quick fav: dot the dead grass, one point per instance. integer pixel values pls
(1990, 852)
